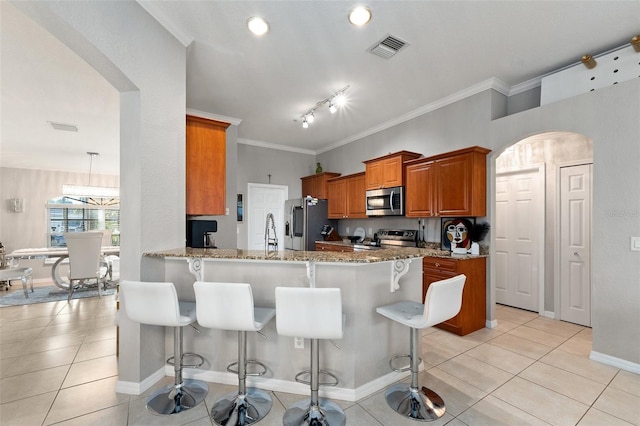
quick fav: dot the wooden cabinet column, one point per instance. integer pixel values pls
(206, 166)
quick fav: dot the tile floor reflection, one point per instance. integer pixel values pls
(58, 366)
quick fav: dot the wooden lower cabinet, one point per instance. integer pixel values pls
(333, 247)
(472, 315)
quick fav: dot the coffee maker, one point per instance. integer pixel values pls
(200, 233)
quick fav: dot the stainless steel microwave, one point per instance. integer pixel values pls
(385, 202)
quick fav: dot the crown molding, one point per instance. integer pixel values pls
(216, 117)
(150, 7)
(492, 83)
(276, 146)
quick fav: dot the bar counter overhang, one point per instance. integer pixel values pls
(361, 363)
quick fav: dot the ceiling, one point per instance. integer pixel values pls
(311, 51)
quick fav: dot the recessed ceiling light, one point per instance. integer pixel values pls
(258, 26)
(360, 15)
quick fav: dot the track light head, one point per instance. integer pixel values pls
(305, 124)
(332, 108)
(310, 118)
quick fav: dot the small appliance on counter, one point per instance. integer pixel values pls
(329, 233)
(200, 233)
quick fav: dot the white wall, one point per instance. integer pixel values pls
(609, 117)
(147, 66)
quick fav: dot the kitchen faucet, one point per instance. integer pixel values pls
(269, 227)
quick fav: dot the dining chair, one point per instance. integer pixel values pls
(84, 258)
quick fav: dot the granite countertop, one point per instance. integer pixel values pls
(365, 256)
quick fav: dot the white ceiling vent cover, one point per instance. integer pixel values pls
(387, 47)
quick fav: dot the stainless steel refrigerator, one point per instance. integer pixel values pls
(304, 220)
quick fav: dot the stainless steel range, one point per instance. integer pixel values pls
(390, 238)
(397, 237)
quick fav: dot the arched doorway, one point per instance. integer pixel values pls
(541, 246)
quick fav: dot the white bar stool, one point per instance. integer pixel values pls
(22, 274)
(229, 306)
(442, 301)
(156, 303)
(311, 313)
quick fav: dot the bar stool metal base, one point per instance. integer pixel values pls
(237, 409)
(174, 399)
(326, 413)
(409, 402)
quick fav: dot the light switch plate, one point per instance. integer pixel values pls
(635, 243)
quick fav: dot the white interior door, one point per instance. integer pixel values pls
(518, 233)
(261, 200)
(575, 244)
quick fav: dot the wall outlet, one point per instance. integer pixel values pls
(347, 230)
(370, 231)
(298, 343)
(635, 243)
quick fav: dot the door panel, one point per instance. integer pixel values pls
(575, 244)
(518, 233)
(261, 200)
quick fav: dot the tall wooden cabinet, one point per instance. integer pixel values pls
(347, 197)
(387, 171)
(451, 184)
(206, 166)
(472, 315)
(316, 185)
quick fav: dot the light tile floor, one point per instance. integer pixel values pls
(58, 366)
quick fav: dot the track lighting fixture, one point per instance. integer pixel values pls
(334, 100)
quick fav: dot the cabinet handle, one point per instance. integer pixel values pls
(437, 265)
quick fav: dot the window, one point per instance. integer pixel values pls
(68, 215)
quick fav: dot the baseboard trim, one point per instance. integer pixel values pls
(135, 388)
(549, 314)
(278, 385)
(491, 323)
(615, 362)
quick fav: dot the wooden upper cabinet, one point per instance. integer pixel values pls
(316, 185)
(419, 190)
(356, 196)
(451, 184)
(347, 197)
(387, 171)
(206, 166)
(337, 199)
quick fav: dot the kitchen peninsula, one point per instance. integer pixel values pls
(366, 279)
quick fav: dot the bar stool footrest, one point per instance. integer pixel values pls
(233, 368)
(403, 369)
(308, 382)
(197, 364)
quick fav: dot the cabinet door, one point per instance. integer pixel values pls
(337, 197)
(309, 186)
(374, 175)
(356, 197)
(454, 183)
(419, 190)
(205, 167)
(392, 172)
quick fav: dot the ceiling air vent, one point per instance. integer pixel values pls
(387, 47)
